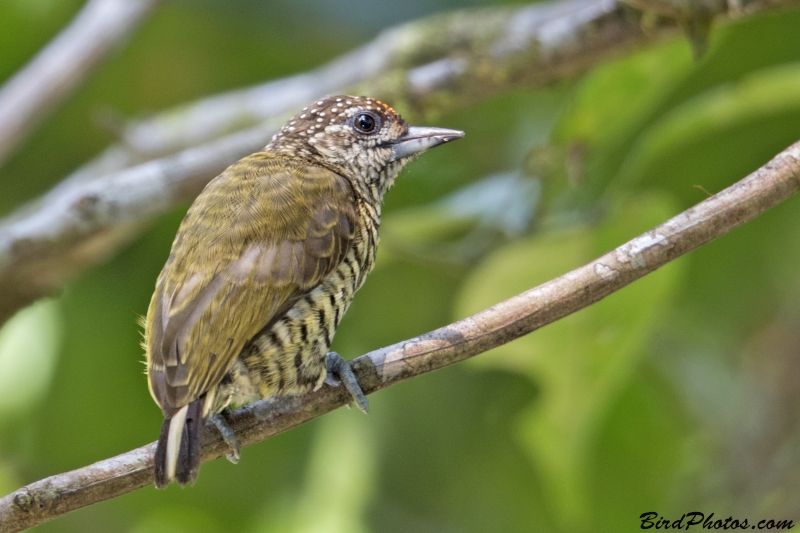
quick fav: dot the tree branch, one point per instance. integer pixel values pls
(425, 67)
(771, 184)
(57, 70)
(80, 224)
(447, 60)
(463, 56)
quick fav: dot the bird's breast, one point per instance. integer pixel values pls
(289, 356)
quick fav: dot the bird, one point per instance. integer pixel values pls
(263, 267)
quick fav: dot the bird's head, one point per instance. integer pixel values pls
(360, 138)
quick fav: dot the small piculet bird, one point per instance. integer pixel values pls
(264, 266)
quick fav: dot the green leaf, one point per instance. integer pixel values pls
(340, 481)
(8, 479)
(581, 362)
(692, 133)
(29, 347)
(177, 519)
(616, 97)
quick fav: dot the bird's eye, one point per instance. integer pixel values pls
(366, 122)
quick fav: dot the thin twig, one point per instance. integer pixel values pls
(771, 184)
(57, 70)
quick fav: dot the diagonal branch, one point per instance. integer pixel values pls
(79, 225)
(426, 67)
(765, 188)
(57, 70)
(449, 59)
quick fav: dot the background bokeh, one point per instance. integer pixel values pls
(677, 394)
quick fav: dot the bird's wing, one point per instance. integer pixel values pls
(260, 236)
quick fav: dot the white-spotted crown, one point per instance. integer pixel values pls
(352, 135)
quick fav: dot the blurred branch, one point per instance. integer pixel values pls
(680, 9)
(426, 67)
(57, 70)
(433, 66)
(696, 16)
(429, 66)
(80, 225)
(771, 184)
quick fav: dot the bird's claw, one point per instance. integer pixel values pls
(339, 372)
(220, 422)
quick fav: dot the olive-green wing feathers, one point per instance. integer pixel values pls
(259, 237)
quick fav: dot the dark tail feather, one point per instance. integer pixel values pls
(189, 458)
(160, 459)
(178, 451)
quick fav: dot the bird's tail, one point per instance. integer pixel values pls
(178, 451)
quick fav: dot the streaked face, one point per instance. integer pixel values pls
(352, 134)
(361, 138)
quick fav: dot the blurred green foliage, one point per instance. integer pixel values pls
(675, 394)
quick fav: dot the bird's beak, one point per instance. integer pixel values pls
(418, 140)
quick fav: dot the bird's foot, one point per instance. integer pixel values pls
(339, 372)
(220, 421)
